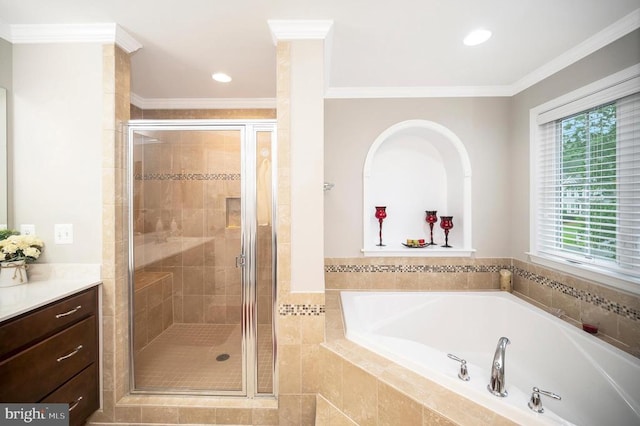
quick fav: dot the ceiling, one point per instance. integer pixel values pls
(406, 46)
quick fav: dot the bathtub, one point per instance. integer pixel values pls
(599, 384)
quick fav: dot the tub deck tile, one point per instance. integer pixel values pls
(401, 395)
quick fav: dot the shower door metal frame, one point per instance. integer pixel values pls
(249, 322)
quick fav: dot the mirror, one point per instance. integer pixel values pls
(3, 159)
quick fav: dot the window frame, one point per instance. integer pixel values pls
(613, 87)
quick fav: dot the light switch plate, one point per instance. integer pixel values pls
(63, 233)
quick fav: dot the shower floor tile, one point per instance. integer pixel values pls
(183, 357)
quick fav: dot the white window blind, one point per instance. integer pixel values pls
(588, 182)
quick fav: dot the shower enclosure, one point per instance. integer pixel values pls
(202, 256)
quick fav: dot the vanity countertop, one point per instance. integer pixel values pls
(45, 285)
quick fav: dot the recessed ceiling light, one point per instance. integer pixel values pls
(221, 77)
(476, 37)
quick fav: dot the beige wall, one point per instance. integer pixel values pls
(495, 132)
(351, 126)
(56, 146)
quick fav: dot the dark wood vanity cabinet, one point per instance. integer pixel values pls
(51, 355)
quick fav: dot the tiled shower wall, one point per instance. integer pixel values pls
(616, 312)
(153, 306)
(191, 178)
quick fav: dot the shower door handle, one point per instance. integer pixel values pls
(240, 260)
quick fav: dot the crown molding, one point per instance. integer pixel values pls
(613, 32)
(299, 29)
(417, 92)
(126, 40)
(203, 103)
(73, 33)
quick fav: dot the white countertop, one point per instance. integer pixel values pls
(47, 283)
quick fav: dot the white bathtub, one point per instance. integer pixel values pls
(599, 384)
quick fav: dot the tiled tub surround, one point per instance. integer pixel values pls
(616, 312)
(413, 273)
(418, 329)
(360, 387)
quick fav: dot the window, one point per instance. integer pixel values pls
(588, 200)
(586, 178)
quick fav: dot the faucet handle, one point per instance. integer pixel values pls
(536, 402)
(463, 374)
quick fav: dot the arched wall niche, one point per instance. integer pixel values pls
(413, 166)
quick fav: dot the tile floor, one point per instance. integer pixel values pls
(183, 358)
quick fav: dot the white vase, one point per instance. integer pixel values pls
(13, 273)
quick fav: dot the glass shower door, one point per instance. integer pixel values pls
(187, 273)
(265, 258)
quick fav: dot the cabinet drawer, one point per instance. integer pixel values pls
(81, 393)
(35, 372)
(19, 332)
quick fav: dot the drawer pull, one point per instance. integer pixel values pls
(70, 354)
(73, 311)
(74, 404)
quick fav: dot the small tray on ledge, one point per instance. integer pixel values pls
(416, 246)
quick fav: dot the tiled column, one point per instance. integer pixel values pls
(300, 323)
(115, 316)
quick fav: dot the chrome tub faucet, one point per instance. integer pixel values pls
(496, 383)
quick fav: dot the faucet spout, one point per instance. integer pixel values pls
(496, 383)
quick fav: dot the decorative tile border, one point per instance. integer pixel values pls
(585, 296)
(187, 176)
(415, 268)
(302, 310)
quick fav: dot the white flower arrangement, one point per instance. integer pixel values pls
(20, 247)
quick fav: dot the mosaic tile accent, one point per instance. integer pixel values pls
(585, 296)
(302, 310)
(187, 176)
(415, 268)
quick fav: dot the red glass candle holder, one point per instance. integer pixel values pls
(446, 223)
(432, 217)
(381, 214)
